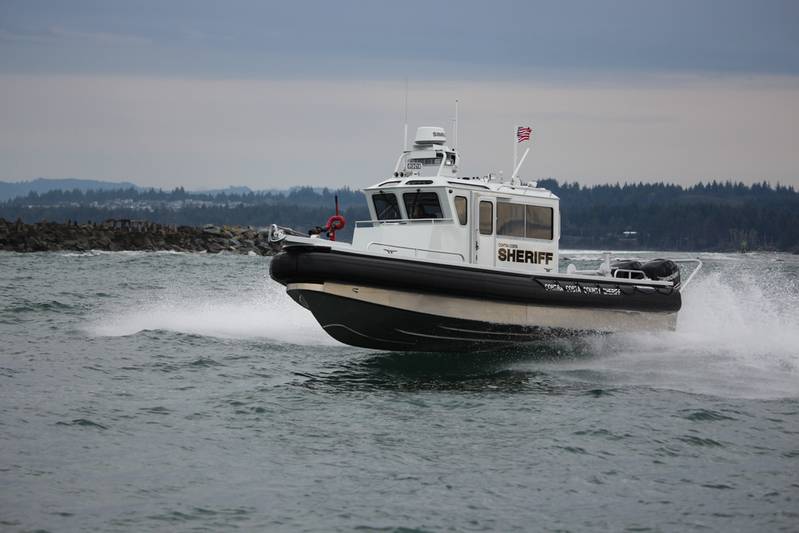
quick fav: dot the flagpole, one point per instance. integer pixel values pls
(515, 146)
(517, 167)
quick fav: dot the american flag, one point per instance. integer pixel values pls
(523, 133)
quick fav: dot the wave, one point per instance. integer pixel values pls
(97, 253)
(737, 336)
(269, 314)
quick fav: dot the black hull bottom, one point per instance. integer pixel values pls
(405, 304)
(380, 327)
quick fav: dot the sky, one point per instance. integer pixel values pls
(207, 94)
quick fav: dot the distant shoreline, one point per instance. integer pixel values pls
(139, 235)
(130, 235)
(710, 216)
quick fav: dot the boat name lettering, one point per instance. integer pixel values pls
(552, 286)
(579, 288)
(413, 165)
(524, 256)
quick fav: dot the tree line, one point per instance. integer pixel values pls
(295, 196)
(707, 216)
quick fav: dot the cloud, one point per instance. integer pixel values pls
(262, 133)
(362, 39)
(98, 38)
(58, 36)
(202, 93)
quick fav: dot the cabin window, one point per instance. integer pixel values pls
(529, 221)
(414, 163)
(422, 205)
(460, 209)
(510, 219)
(486, 218)
(538, 222)
(450, 160)
(386, 206)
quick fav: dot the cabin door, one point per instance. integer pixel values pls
(483, 250)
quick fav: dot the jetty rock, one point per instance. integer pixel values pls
(124, 234)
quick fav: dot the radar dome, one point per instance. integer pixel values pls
(430, 135)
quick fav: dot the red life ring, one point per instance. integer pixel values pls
(334, 223)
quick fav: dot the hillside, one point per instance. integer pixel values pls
(714, 216)
(15, 189)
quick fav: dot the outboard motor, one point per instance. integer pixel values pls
(662, 270)
(626, 264)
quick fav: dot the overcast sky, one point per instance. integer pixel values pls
(207, 94)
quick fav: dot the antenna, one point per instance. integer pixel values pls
(405, 135)
(455, 138)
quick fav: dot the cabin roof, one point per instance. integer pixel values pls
(466, 183)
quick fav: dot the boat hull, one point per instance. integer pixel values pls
(318, 264)
(387, 319)
(398, 304)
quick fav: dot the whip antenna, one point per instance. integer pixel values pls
(405, 135)
(455, 137)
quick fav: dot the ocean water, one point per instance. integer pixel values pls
(177, 392)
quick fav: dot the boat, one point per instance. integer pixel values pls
(450, 263)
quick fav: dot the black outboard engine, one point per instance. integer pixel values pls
(663, 270)
(626, 264)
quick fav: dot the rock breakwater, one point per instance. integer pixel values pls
(119, 235)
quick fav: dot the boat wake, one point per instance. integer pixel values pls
(736, 337)
(269, 315)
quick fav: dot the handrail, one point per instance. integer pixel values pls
(682, 285)
(443, 162)
(697, 269)
(416, 250)
(629, 272)
(365, 223)
(399, 159)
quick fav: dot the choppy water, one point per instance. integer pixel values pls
(187, 392)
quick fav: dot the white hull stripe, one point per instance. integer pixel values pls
(518, 314)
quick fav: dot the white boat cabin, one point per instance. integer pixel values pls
(427, 211)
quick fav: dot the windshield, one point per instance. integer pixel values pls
(386, 206)
(422, 205)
